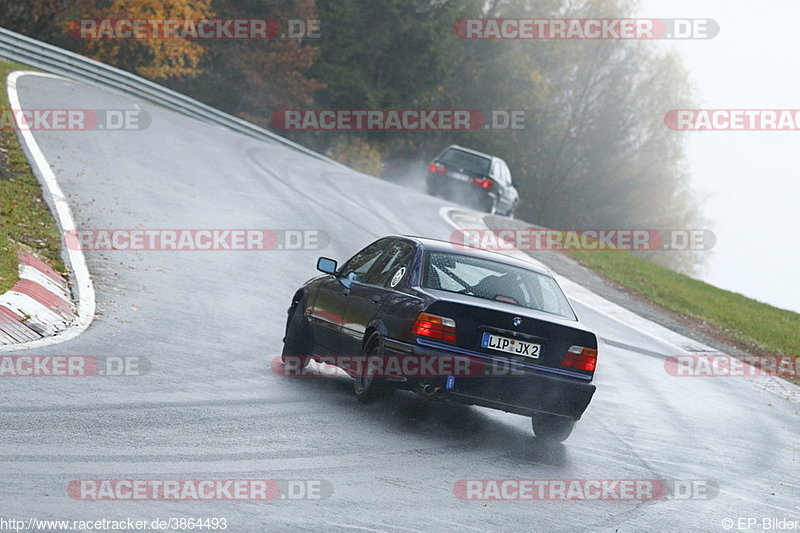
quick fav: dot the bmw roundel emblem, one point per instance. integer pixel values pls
(517, 321)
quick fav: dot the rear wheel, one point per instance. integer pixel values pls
(297, 343)
(552, 428)
(431, 188)
(368, 386)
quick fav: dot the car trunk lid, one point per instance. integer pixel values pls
(497, 328)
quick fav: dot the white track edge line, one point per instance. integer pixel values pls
(77, 261)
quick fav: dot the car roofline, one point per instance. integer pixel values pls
(470, 151)
(491, 255)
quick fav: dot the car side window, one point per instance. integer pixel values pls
(393, 266)
(358, 266)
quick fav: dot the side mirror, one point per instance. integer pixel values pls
(515, 184)
(326, 265)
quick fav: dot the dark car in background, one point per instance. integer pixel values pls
(473, 178)
(415, 297)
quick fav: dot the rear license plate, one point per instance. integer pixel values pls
(458, 175)
(515, 346)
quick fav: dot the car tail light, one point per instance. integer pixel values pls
(435, 327)
(437, 168)
(581, 358)
(483, 183)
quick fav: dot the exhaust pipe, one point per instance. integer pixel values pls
(429, 390)
(426, 389)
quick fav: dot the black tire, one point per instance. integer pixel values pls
(431, 188)
(297, 343)
(369, 388)
(552, 428)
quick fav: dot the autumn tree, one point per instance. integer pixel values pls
(59, 22)
(156, 58)
(254, 78)
(44, 19)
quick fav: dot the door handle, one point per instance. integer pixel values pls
(376, 299)
(346, 291)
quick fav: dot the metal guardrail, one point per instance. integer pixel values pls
(21, 49)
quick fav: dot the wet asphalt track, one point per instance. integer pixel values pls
(210, 322)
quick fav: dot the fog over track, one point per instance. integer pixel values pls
(209, 323)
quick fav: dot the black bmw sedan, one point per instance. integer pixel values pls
(473, 178)
(450, 323)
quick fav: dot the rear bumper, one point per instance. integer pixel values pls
(525, 391)
(460, 191)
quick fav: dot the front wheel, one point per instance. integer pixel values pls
(552, 428)
(297, 344)
(369, 386)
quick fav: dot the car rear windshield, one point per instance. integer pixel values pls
(466, 160)
(499, 282)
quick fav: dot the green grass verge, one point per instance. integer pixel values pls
(772, 330)
(25, 219)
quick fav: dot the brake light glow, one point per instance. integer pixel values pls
(437, 168)
(435, 327)
(483, 183)
(581, 358)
